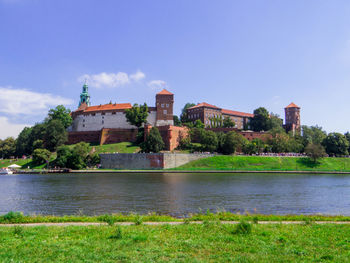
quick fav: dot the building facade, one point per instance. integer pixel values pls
(212, 116)
(112, 116)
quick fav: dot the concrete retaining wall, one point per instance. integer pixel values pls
(131, 161)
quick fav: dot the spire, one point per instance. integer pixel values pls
(84, 95)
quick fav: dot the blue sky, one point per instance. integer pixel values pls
(238, 55)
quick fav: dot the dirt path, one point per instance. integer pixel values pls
(169, 223)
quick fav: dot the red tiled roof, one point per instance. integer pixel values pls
(204, 104)
(165, 92)
(120, 106)
(292, 105)
(237, 113)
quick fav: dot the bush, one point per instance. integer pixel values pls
(18, 231)
(243, 228)
(40, 156)
(233, 141)
(209, 141)
(153, 143)
(109, 219)
(12, 217)
(138, 220)
(118, 234)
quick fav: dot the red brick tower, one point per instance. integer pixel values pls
(164, 104)
(292, 112)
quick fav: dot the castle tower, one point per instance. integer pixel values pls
(84, 96)
(292, 113)
(164, 104)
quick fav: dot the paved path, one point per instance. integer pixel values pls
(170, 223)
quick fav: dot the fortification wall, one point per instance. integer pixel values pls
(135, 161)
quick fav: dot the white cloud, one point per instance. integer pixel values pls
(22, 101)
(111, 80)
(157, 84)
(10, 129)
(137, 76)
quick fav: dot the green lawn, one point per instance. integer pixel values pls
(259, 163)
(208, 242)
(122, 147)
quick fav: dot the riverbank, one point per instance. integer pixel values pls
(207, 242)
(19, 218)
(268, 164)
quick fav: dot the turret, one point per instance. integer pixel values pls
(292, 113)
(164, 104)
(84, 96)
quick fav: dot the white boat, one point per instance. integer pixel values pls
(5, 171)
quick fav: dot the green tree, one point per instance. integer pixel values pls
(274, 122)
(23, 146)
(184, 116)
(233, 142)
(64, 153)
(347, 136)
(41, 156)
(279, 141)
(228, 123)
(154, 142)
(260, 121)
(8, 147)
(137, 115)
(62, 114)
(37, 133)
(312, 135)
(198, 124)
(55, 135)
(38, 144)
(315, 151)
(209, 141)
(79, 155)
(177, 121)
(336, 144)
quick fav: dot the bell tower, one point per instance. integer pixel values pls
(84, 96)
(164, 104)
(292, 114)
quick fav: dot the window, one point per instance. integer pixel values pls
(165, 112)
(103, 122)
(93, 114)
(114, 113)
(83, 125)
(83, 120)
(162, 105)
(103, 113)
(167, 105)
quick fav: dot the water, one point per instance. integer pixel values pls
(175, 194)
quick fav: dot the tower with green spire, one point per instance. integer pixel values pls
(84, 96)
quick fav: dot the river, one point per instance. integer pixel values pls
(175, 194)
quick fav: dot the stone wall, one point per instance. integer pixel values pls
(135, 161)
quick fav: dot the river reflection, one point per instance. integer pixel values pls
(175, 194)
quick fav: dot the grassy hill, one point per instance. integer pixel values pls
(122, 147)
(260, 163)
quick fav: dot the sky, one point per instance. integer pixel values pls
(238, 55)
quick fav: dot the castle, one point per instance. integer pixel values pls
(107, 123)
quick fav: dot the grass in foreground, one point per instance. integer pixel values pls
(259, 163)
(17, 217)
(209, 242)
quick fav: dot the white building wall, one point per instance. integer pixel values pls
(109, 120)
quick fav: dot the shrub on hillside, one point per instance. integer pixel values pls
(153, 143)
(41, 156)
